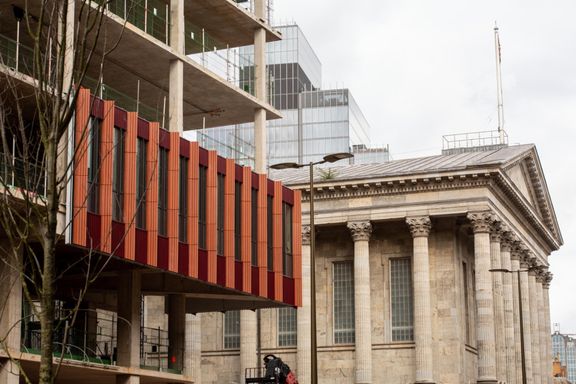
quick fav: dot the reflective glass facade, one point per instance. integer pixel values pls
(564, 348)
(316, 122)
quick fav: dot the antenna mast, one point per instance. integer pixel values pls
(499, 85)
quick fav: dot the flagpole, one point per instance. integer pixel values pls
(499, 85)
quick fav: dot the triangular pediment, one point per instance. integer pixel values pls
(525, 173)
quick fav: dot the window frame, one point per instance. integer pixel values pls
(351, 339)
(163, 192)
(141, 184)
(231, 341)
(183, 192)
(93, 203)
(411, 327)
(202, 213)
(287, 337)
(118, 158)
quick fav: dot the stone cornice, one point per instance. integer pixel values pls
(360, 230)
(394, 186)
(419, 226)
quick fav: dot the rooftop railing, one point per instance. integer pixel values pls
(471, 140)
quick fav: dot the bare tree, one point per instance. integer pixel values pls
(58, 42)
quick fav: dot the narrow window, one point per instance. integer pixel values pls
(238, 221)
(466, 302)
(232, 330)
(270, 233)
(220, 217)
(183, 203)
(254, 236)
(93, 163)
(286, 327)
(287, 264)
(163, 192)
(401, 299)
(343, 303)
(202, 207)
(141, 183)
(118, 175)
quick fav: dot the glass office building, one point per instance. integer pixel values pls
(316, 122)
(564, 348)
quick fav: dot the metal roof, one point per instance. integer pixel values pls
(405, 167)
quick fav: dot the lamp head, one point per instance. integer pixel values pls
(337, 156)
(285, 165)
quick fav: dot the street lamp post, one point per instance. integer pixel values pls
(522, 353)
(313, 342)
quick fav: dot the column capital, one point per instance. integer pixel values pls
(496, 231)
(547, 280)
(360, 230)
(506, 240)
(481, 221)
(419, 226)
(541, 274)
(306, 233)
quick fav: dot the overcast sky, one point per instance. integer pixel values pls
(423, 69)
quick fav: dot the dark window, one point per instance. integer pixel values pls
(401, 300)
(220, 217)
(287, 264)
(343, 290)
(141, 183)
(238, 221)
(93, 163)
(163, 192)
(270, 234)
(118, 175)
(254, 227)
(183, 206)
(202, 207)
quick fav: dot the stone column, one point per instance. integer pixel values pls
(544, 336)
(176, 90)
(361, 231)
(481, 223)
(548, 330)
(509, 324)
(420, 229)
(248, 337)
(497, 289)
(10, 318)
(176, 331)
(515, 266)
(128, 328)
(260, 141)
(303, 318)
(193, 351)
(526, 327)
(534, 323)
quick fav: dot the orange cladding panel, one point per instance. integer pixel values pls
(246, 230)
(105, 176)
(211, 215)
(229, 213)
(173, 200)
(297, 247)
(193, 202)
(130, 186)
(277, 215)
(263, 235)
(152, 193)
(80, 211)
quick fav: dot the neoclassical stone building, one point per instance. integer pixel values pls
(410, 280)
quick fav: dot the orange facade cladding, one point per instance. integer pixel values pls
(254, 278)
(152, 149)
(173, 200)
(263, 234)
(229, 193)
(212, 216)
(277, 239)
(80, 212)
(105, 179)
(193, 203)
(246, 230)
(130, 186)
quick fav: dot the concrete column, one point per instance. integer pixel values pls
(508, 301)
(176, 90)
(497, 290)
(548, 330)
(248, 337)
(128, 328)
(10, 317)
(361, 231)
(193, 351)
(176, 331)
(420, 229)
(542, 333)
(69, 49)
(515, 266)
(526, 327)
(304, 331)
(481, 223)
(534, 323)
(260, 141)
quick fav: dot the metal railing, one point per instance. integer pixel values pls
(150, 16)
(474, 140)
(20, 173)
(16, 56)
